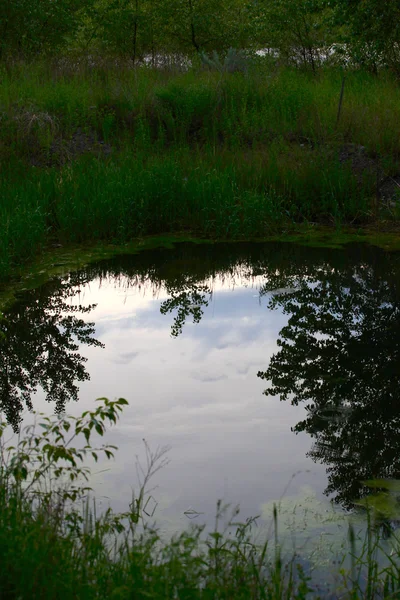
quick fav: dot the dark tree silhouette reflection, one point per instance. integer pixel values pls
(340, 355)
(39, 347)
(186, 302)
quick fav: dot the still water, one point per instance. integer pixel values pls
(270, 372)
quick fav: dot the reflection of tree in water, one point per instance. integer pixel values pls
(185, 273)
(340, 354)
(186, 302)
(40, 348)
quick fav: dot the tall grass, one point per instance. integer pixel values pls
(201, 106)
(55, 545)
(228, 196)
(107, 152)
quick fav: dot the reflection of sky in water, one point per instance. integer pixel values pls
(200, 395)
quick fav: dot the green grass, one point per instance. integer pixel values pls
(54, 545)
(111, 153)
(138, 195)
(199, 107)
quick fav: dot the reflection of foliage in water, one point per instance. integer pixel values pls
(340, 354)
(187, 301)
(39, 347)
(41, 334)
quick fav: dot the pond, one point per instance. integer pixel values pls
(269, 371)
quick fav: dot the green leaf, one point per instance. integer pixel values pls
(99, 429)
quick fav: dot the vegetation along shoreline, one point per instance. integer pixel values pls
(110, 154)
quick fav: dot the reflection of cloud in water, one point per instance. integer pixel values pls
(199, 393)
(125, 358)
(208, 377)
(245, 367)
(283, 291)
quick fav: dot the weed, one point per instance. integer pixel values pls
(54, 542)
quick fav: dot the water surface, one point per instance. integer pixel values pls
(268, 370)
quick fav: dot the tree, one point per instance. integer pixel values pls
(194, 26)
(157, 29)
(296, 29)
(29, 28)
(371, 31)
(122, 27)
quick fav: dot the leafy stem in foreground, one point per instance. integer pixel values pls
(38, 455)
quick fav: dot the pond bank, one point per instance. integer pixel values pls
(58, 260)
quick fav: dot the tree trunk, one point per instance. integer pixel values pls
(192, 29)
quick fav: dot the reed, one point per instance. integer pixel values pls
(112, 153)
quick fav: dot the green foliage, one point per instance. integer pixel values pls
(297, 29)
(117, 201)
(40, 457)
(123, 27)
(53, 544)
(64, 552)
(112, 153)
(201, 25)
(153, 29)
(29, 28)
(297, 32)
(371, 32)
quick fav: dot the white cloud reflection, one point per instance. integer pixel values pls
(198, 393)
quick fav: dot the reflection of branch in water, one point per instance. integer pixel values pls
(186, 302)
(333, 413)
(39, 347)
